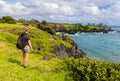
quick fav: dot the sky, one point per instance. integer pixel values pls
(64, 11)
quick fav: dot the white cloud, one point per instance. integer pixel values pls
(79, 11)
(2, 2)
(13, 9)
(52, 17)
(66, 10)
(92, 9)
(51, 6)
(112, 12)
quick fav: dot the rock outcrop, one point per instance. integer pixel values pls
(63, 52)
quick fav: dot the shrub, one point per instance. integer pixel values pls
(45, 28)
(92, 70)
(8, 19)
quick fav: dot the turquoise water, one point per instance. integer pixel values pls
(100, 46)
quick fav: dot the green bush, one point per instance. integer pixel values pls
(92, 70)
(8, 19)
(82, 28)
(45, 28)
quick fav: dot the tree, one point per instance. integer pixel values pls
(8, 19)
(21, 20)
(100, 25)
(33, 22)
(45, 28)
(1, 20)
(44, 22)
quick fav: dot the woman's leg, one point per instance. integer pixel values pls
(25, 56)
(22, 59)
(26, 59)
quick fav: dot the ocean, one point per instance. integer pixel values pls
(99, 46)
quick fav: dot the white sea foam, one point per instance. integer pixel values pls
(112, 32)
(77, 34)
(98, 33)
(82, 33)
(58, 32)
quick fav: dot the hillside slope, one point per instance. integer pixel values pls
(43, 50)
(39, 69)
(10, 56)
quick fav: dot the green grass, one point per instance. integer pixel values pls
(8, 26)
(39, 69)
(47, 70)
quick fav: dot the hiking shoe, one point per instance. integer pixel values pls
(21, 65)
(24, 66)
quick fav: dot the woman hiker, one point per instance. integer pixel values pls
(26, 47)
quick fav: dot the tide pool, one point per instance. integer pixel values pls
(100, 46)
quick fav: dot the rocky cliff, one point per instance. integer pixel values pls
(62, 51)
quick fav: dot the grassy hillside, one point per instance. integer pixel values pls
(47, 70)
(39, 69)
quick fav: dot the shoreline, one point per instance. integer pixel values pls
(106, 45)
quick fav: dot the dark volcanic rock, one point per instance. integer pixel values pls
(47, 58)
(64, 52)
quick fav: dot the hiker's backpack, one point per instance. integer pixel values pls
(19, 44)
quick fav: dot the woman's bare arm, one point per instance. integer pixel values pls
(29, 42)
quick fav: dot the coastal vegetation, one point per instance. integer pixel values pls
(59, 27)
(91, 70)
(86, 28)
(74, 28)
(44, 63)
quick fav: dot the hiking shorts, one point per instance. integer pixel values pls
(26, 49)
